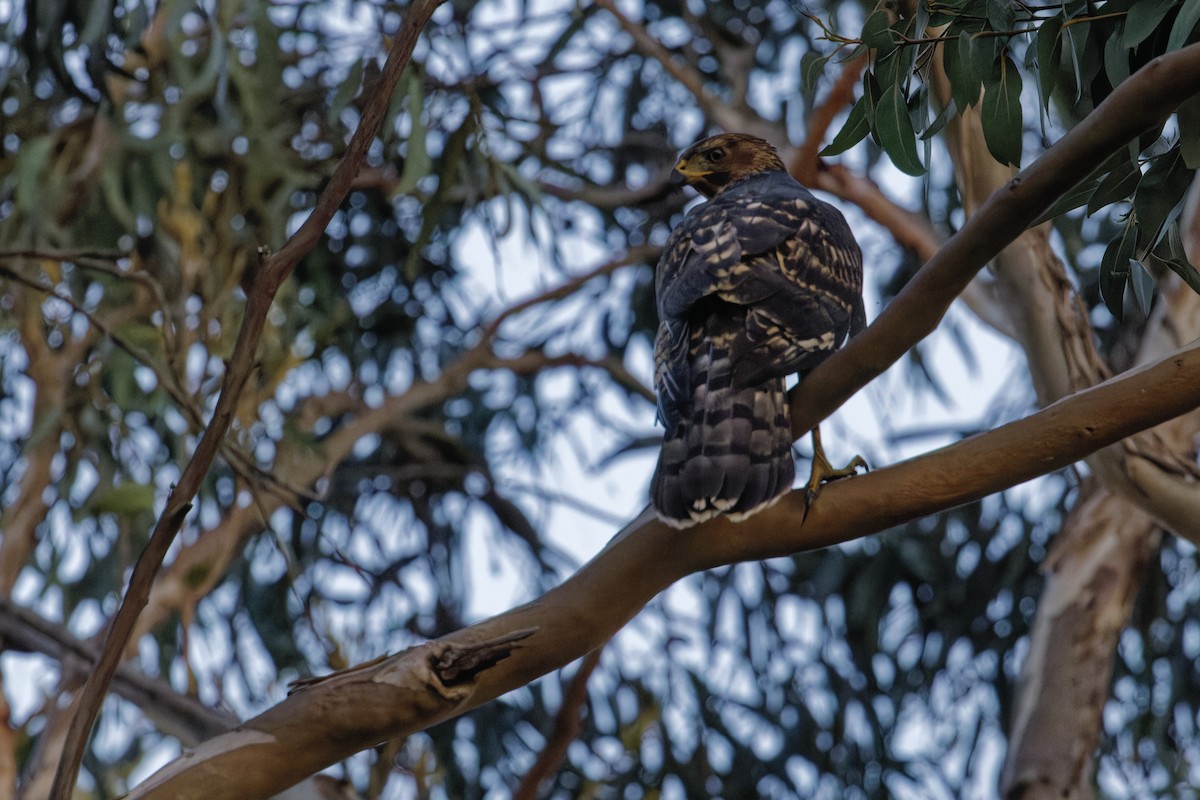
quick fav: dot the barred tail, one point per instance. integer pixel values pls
(730, 453)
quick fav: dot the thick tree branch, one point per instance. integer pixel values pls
(646, 557)
(1093, 575)
(1098, 558)
(372, 702)
(273, 272)
(1147, 97)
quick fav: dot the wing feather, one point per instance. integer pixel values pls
(771, 247)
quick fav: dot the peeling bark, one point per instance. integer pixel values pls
(336, 715)
(1093, 574)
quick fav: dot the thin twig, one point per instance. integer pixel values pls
(638, 255)
(567, 726)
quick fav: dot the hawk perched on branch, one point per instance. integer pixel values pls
(761, 281)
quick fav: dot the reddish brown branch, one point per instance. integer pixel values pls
(806, 162)
(275, 270)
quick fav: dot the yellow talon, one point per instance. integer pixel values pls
(823, 471)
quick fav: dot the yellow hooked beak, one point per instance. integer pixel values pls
(685, 174)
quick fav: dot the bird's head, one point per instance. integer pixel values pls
(711, 164)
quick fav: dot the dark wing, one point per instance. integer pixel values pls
(767, 245)
(804, 293)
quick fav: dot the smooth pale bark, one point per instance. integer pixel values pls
(1098, 559)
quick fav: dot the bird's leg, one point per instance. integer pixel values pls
(823, 471)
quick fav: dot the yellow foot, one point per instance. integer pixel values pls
(823, 472)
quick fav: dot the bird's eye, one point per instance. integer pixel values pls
(716, 154)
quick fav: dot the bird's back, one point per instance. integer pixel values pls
(762, 281)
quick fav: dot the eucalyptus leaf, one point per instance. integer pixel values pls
(1118, 184)
(125, 498)
(1049, 55)
(877, 33)
(1184, 25)
(965, 82)
(852, 131)
(896, 134)
(1143, 285)
(1001, 14)
(1114, 270)
(1000, 113)
(1159, 196)
(1188, 117)
(417, 161)
(1116, 61)
(1143, 17)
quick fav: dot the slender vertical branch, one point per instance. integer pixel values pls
(274, 270)
(566, 729)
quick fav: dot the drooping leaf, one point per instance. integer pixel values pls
(1143, 285)
(1114, 270)
(1000, 113)
(1188, 117)
(1049, 54)
(1143, 17)
(417, 161)
(945, 115)
(1001, 14)
(1118, 184)
(812, 66)
(856, 127)
(1159, 197)
(125, 498)
(965, 83)
(877, 33)
(895, 129)
(1184, 25)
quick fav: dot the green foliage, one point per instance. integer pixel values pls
(1078, 52)
(187, 136)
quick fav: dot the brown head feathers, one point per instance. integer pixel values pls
(712, 164)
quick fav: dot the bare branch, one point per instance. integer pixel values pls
(638, 255)
(183, 717)
(716, 108)
(178, 587)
